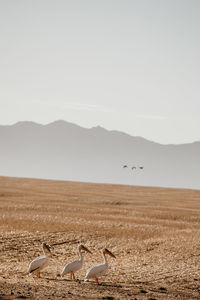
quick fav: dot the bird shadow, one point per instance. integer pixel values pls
(57, 279)
(111, 285)
(62, 280)
(106, 284)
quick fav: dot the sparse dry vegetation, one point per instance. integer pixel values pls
(154, 233)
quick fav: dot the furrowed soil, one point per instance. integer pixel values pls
(153, 232)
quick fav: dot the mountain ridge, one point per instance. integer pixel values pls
(98, 127)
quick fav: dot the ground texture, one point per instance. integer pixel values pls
(153, 232)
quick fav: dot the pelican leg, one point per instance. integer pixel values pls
(97, 280)
(73, 276)
(38, 274)
(70, 275)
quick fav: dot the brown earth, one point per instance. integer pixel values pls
(153, 232)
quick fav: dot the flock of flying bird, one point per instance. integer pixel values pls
(94, 272)
(133, 168)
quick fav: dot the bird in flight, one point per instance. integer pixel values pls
(125, 166)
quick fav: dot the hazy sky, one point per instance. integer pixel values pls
(130, 65)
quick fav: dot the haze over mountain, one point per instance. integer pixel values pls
(62, 150)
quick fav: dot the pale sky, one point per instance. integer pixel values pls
(128, 65)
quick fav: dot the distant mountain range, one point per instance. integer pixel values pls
(62, 150)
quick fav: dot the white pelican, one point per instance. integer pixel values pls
(98, 270)
(76, 264)
(40, 262)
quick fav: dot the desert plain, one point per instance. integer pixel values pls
(153, 232)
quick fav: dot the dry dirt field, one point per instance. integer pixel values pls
(153, 232)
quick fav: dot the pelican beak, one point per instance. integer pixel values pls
(85, 249)
(109, 252)
(45, 246)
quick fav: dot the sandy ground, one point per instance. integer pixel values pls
(153, 232)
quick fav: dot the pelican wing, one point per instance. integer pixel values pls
(96, 271)
(38, 263)
(72, 267)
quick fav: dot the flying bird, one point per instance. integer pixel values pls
(40, 262)
(133, 168)
(141, 168)
(125, 166)
(76, 264)
(98, 270)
